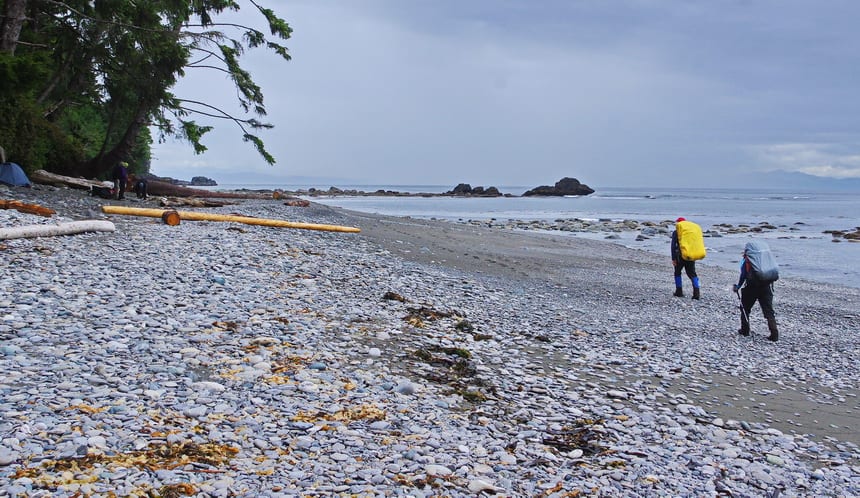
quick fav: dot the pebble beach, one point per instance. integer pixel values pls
(415, 358)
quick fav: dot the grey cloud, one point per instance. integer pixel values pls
(520, 92)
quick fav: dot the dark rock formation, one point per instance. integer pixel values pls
(197, 181)
(565, 186)
(466, 190)
(202, 181)
(461, 189)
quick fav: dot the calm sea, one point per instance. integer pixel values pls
(800, 246)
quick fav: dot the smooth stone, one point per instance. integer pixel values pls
(437, 470)
(480, 485)
(775, 460)
(208, 386)
(7, 456)
(405, 387)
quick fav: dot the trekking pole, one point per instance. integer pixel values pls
(741, 306)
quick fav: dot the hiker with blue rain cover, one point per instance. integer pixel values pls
(758, 273)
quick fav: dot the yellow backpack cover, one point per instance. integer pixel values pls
(690, 240)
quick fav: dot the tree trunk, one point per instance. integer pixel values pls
(102, 163)
(11, 24)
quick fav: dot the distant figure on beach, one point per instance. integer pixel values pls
(687, 247)
(139, 186)
(758, 273)
(120, 179)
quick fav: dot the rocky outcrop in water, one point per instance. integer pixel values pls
(462, 189)
(197, 181)
(202, 181)
(565, 186)
(466, 189)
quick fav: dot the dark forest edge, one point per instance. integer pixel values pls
(85, 85)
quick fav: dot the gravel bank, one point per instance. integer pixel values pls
(415, 358)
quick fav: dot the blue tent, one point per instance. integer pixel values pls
(12, 174)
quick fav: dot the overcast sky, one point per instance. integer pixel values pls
(634, 93)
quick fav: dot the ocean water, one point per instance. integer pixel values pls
(800, 245)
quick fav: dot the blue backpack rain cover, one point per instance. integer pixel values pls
(762, 264)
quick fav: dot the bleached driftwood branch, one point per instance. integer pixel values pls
(69, 228)
(47, 178)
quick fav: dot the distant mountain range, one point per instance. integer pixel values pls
(802, 181)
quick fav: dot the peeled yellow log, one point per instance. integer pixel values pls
(170, 218)
(198, 216)
(69, 228)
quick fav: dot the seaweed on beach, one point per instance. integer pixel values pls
(226, 325)
(466, 326)
(428, 356)
(430, 314)
(583, 434)
(289, 364)
(366, 412)
(393, 296)
(87, 469)
(177, 490)
(454, 368)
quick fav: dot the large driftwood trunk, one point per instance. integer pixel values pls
(167, 189)
(248, 220)
(70, 228)
(46, 178)
(153, 187)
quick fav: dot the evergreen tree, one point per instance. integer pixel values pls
(82, 81)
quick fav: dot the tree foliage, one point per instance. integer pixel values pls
(83, 81)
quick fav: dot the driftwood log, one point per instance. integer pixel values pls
(248, 220)
(190, 201)
(69, 228)
(167, 189)
(46, 178)
(25, 207)
(170, 218)
(153, 187)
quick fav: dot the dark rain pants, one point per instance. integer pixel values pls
(761, 293)
(688, 266)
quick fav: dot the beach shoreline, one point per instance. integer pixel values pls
(639, 279)
(555, 331)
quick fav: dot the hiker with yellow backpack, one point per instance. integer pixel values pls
(688, 246)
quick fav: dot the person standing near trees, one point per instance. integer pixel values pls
(120, 179)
